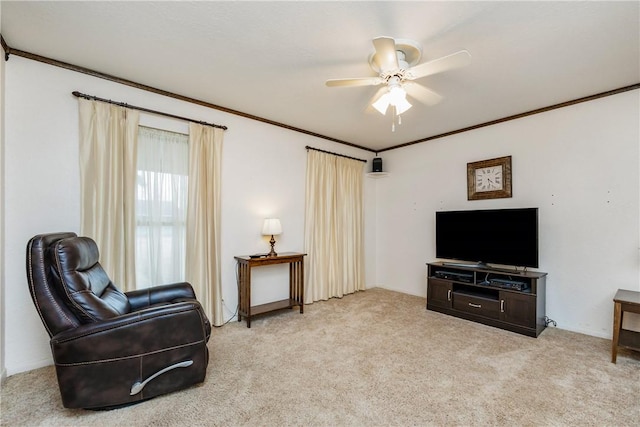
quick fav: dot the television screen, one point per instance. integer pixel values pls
(498, 236)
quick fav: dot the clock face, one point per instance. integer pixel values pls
(489, 178)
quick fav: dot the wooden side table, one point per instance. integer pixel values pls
(296, 284)
(624, 301)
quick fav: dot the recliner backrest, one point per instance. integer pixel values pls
(89, 292)
(53, 310)
(67, 283)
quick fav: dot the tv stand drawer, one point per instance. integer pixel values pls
(477, 305)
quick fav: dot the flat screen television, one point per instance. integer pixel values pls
(491, 236)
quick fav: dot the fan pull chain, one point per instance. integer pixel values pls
(394, 113)
(393, 123)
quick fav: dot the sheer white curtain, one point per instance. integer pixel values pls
(108, 137)
(203, 218)
(334, 227)
(161, 206)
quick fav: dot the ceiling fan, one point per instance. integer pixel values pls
(395, 62)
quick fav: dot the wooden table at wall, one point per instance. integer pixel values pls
(296, 284)
(624, 301)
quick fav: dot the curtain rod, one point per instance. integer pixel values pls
(335, 154)
(146, 110)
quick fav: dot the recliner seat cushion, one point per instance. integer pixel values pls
(91, 294)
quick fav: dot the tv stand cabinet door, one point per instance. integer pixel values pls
(439, 293)
(518, 309)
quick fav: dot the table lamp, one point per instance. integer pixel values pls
(272, 227)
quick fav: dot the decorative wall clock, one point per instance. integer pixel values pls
(489, 179)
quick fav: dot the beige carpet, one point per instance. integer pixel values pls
(375, 358)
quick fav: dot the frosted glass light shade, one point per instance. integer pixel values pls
(271, 227)
(396, 95)
(382, 104)
(402, 106)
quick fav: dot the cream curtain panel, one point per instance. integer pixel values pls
(334, 227)
(108, 138)
(203, 218)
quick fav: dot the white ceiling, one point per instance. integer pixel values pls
(271, 59)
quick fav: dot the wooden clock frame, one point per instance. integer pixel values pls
(505, 192)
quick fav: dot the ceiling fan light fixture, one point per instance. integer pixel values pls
(397, 97)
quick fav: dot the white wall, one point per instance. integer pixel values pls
(3, 370)
(263, 174)
(578, 165)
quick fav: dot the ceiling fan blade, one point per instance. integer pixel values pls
(455, 60)
(421, 93)
(386, 57)
(363, 81)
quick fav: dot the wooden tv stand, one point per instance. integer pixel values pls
(506, 299)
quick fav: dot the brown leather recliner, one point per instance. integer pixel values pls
(112, 348)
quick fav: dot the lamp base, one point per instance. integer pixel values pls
(273, 252)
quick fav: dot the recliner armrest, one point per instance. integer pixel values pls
(148, 297)
(131, 335)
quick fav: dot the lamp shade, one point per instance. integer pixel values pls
(271, 227)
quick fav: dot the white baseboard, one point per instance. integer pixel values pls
(597, 334)
(30, 366)
(415, 294)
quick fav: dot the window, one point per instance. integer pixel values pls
(161, 206)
